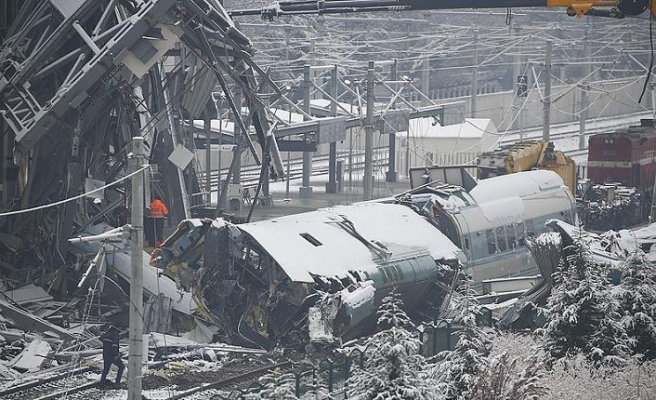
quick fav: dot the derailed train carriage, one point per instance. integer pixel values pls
(490, 221)
(322, 274)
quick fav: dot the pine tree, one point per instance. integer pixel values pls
(459, 368)
(636, 296)
(393, 367)
(583, 316)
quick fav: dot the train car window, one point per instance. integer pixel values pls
(520, 233)
(383, 274)
(491, 241)
(510, 234)
(447, 227)
(391, 271)
(530, 228)
(399, 271)
(501, 238)
(478, 245)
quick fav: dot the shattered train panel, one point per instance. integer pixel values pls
(259, 281)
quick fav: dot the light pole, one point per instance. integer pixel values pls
(348, 83)
(136, 278)
(407, 79)
(289, 90)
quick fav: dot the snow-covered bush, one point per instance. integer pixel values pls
(393, 367)
(504, 379)
(583, 316)
(579, 379)
(636, 296)
(514, 371)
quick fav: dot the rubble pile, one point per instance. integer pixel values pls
(612, 207)
(38, 332)
(41, 337)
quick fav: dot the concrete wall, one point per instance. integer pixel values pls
(607, 98)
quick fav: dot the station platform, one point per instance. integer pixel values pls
(287, 200)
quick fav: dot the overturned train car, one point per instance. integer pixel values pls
(321, 275)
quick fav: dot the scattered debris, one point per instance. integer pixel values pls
(612, 206)
(33, 357)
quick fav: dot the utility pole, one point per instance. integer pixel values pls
(474, 84)
(219, 114)
(136, 278)
(305, 191)
(236, 176)
(653, 100)
(546, 102)
(208, 157)
(425, 78)
(369, 136)
(585, 99)
(390, 176)
(520, 82)
(331, 186)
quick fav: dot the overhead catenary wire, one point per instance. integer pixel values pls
(59, 203)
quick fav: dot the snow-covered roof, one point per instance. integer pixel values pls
(314, 244)
(326, 104)
(287, 116)
(518, 184)
(471, 128)
(506, 209)
(216, 125)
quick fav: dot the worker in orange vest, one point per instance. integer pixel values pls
(157, 214)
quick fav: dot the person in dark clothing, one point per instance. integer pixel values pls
(111, 354)
(120, 216)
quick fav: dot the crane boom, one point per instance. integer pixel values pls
(605, 8)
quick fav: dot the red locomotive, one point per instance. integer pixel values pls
(626, 156)
(620, 161)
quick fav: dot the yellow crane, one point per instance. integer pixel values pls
(604, 8)
(526, 156)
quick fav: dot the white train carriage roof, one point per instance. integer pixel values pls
(313, 244)
(520, 184)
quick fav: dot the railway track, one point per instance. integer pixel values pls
(56, 386)
(221, 389)
(76, 385)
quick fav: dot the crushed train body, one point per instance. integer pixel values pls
(258, 281)
(321, 275)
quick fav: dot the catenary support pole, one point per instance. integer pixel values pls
(653, 100)
(474, 82)
(425, 78)
(136, 278)
(390, 175)
(305, 191)
(546, 102)
(331, 186)
(236, 177)
(369, 136)
(208, 159)
(585, 87)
